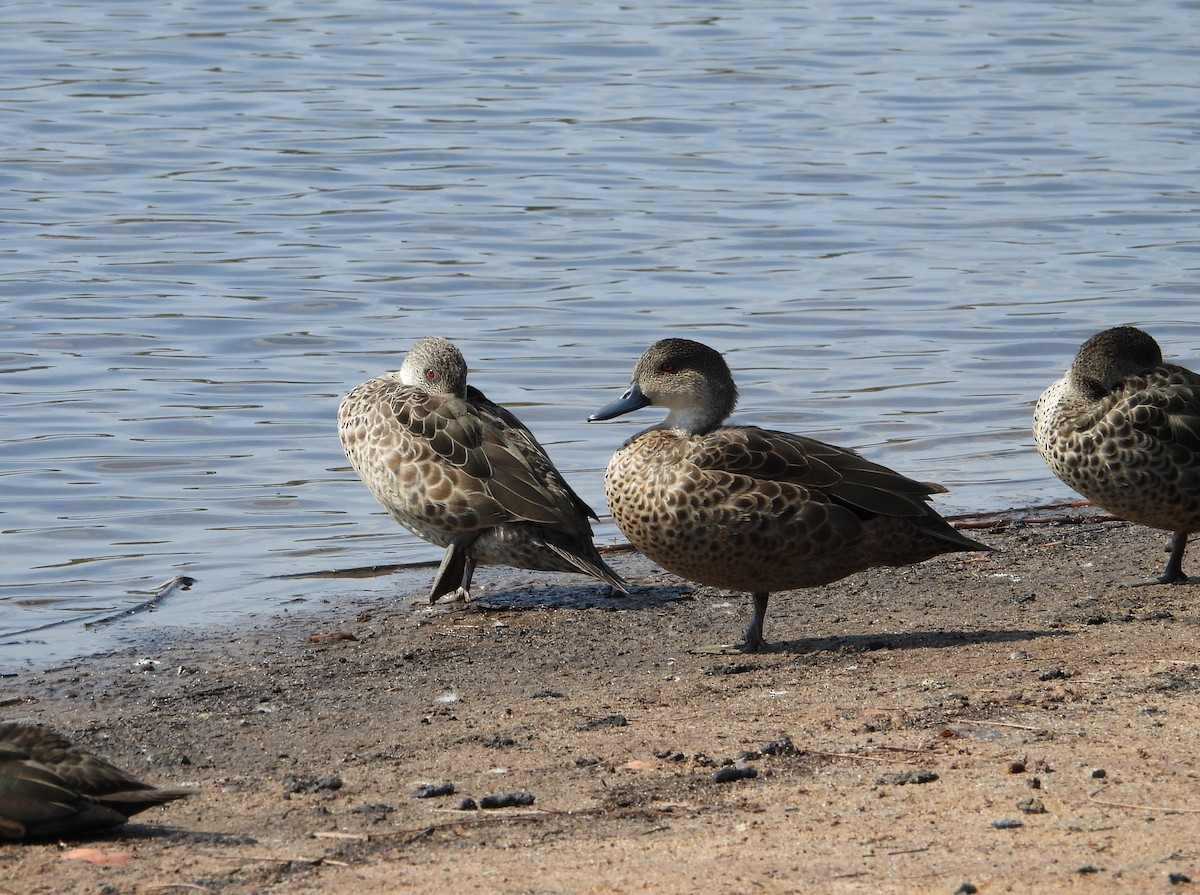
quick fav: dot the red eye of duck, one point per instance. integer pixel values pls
(431, 374)
(667, 366)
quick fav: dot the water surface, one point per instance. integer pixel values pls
(897, 220)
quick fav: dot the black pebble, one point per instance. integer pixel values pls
(292, 783)
(434, 790)
(911, 775)
(669, 755)
(376, 808)
(733, 772)
(507, 800)
(781, 746)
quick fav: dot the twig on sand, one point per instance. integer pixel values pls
(910, 851)
(276, 859)
(410, 836)
(862, 756)
(983, 723)
(1133, 806)
(1043, 515)
(164, 590)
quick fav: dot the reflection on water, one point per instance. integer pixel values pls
(898, 222)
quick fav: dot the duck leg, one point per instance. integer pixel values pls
(454, 574)
(1174, 572)
(754, 631)
(754, 642)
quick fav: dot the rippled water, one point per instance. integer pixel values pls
(897, 220)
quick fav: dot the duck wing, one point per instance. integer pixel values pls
(478, 457)
(516, 436)
(78, 769)
(828, 472)
(1163, 406)
(50, 787)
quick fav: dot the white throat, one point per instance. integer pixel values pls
(689, 419)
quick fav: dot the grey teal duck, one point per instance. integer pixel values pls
(464, 473)
(750, 509)
(1123, 429)
(48, 787)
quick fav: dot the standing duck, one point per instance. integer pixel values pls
(48, 787)
(1123, 429)
(752, 509)
(464, 473)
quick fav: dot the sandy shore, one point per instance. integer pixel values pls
(1015, 722)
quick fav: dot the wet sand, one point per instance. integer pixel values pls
(1011, 722)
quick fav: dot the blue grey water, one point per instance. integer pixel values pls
(897, 219)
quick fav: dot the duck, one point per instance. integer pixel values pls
(744, 508)
(49, 787)
(463, 473)
(1122, 427)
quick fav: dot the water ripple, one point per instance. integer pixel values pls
(898, 223)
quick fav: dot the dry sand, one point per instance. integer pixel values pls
(1014, 722)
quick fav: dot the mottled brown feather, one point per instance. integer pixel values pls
(1123, 429)
(48, 787)
(746, 508)
(463, 472)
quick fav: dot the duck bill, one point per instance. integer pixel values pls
(632, 400)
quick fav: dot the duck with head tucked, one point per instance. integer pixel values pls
(1123, 429)
(49, 787)
(464, 473)
(750, 509)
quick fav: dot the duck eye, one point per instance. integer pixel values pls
(431, 373)
(667, 366)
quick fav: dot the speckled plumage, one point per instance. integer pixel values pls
(464, 473)
(1123, 429)
(48, 787)
(753, 509)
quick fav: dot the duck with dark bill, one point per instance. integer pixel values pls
(752, 509)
